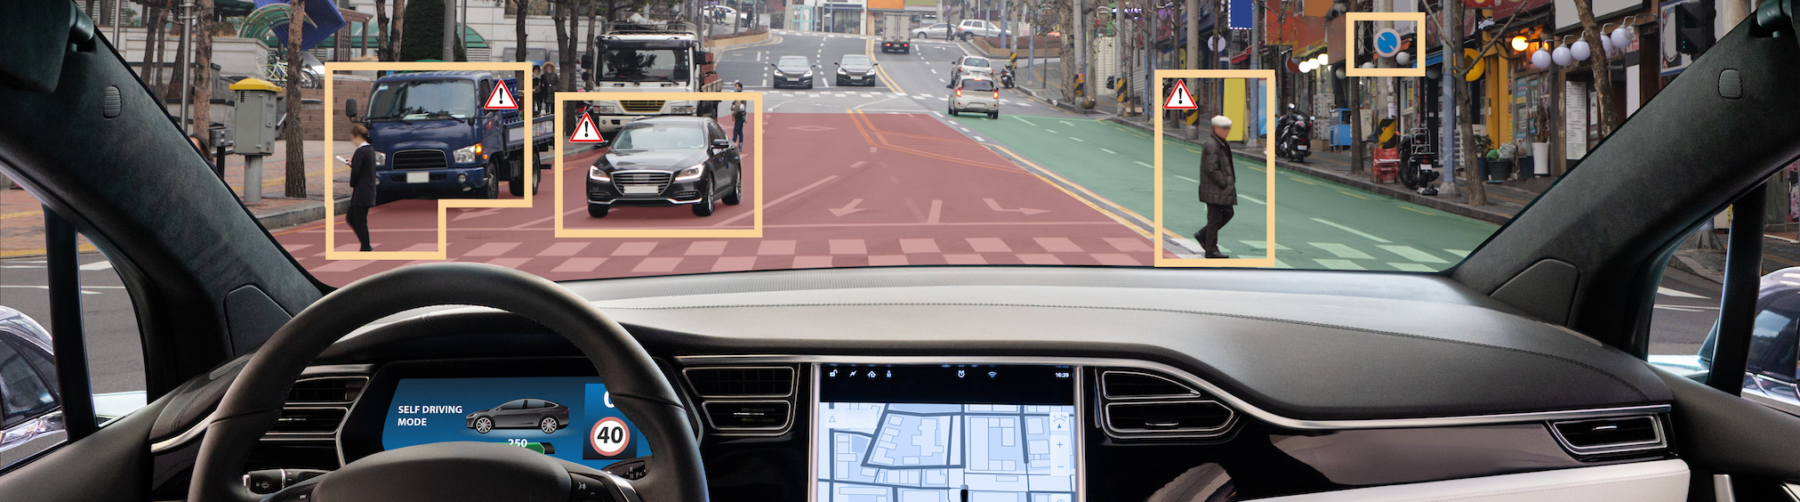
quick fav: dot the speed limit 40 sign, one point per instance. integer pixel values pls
(610, 436)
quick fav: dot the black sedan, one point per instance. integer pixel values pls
(793, 71)
(542, 415)
(667, 161)
(856, 69)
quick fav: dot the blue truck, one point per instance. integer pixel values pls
(434, 138)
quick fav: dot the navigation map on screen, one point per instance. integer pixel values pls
(897, 451)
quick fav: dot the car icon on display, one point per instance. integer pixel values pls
(537, 414)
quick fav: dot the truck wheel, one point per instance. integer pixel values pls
(492, 190)
(598, 210)
(537, 177)
(515, 182)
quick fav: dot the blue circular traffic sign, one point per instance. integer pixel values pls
(1387, 43)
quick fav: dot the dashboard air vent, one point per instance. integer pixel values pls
(748, 415)
(758, 381)
(326, 390)
(1131, 384)
(1610, 435)
(308, 421)
(1167, 419)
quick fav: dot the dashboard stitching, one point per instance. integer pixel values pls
(1640, 393)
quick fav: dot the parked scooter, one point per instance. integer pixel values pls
(1293, 136)
(1006, 76)
(1416, 169)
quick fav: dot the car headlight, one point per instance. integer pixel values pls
(680, 110)
(842, 72)
(468, 154)
(605, 107)
(380, 159)
(597, 174)
(691, 173)
(807, 74)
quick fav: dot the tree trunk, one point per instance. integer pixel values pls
(201, 92)
(395, 35)
(381, 32)
(587, 44)
(1602, 71)
(520, 10)
(293, 130)
(1465, 128)
(153, 49)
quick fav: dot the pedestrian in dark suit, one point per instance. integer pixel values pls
(362, 184)
(1218, 187)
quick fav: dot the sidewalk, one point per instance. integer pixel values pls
(22, 219)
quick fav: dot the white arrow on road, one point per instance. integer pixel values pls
(1026, 210)
(847, 209)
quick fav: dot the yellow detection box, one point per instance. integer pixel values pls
(756, 181)
(331, 252)
(1352, 19)
(1268, 259)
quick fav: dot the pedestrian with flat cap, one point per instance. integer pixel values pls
(1218, 186)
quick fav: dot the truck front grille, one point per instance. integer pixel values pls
(642, 106)
(420, 159)
(654, 179)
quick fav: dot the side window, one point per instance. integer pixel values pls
(532, 404)
(513, 405)
(1773, 341)
(24, 395)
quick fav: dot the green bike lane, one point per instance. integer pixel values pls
(1318, 224)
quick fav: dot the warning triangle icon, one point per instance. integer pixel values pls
(586, 132)
(502, 99)
(1179, 98)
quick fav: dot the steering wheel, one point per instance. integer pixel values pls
(456, 471)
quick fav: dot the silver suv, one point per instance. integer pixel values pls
(971, 28)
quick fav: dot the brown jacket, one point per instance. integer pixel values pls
(1218, 180)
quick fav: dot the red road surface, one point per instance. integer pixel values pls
(841, 190)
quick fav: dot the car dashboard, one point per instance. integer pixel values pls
(813, 390)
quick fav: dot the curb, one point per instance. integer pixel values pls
(1390, 191)
(300, 215)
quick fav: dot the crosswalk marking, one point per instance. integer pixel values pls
(1261, 245)
(918, 246)
(1352, 230)
(1464, 253)
(734, 263)
(634, 249)
(492, 249)
(988, 245)
(1341, 251)
(1411, 267)
(579, 265)
(1058, 244)
(1339, 264)
(1413, 254)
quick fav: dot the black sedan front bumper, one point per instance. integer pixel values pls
(781, 80)
(644, 188)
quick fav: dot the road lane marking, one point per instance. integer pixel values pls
(1416, 210)
(777, 201)
(1077, 139)
(1050, 131)
(1027, 122)
(1339, 264)
(1046, 176)
(1301, 180)
(1411, 267)
(1353, 195)
(1413, 254)
(1352, 230)
(1253, 200)
(1676, 293)
(1262, 245)
(1341, 251)
(937, 209)
(1141, 163)
(1189, 180)
(1109, 151)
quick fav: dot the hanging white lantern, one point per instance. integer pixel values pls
(1540, 60)
(1340, 73)
(1580, 50)
(1606, 45)
(1366, 66)
(1404, 59)
(1621, 39)
(1306, 67)
(1562, 57)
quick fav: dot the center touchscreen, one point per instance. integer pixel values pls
(571, 418)
(946, 433)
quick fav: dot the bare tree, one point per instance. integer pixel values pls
(382, 51)
(521, 8)
(292, 130)
(1602, 70)
(200, 94)
(154, 46)
(396, 33)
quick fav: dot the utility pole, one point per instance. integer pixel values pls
(449, 30)
(1449, 77)
(1079, 28)
(1256, 43)
(1193, 53)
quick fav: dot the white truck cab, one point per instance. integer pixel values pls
(651, 58)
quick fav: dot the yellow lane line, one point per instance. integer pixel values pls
(1109, 213)
(1353, 195)
(1416, 210)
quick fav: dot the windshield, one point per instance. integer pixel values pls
(890, 169)
(792, 63)
(423, 99)
(660, 136)
(638, 65)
